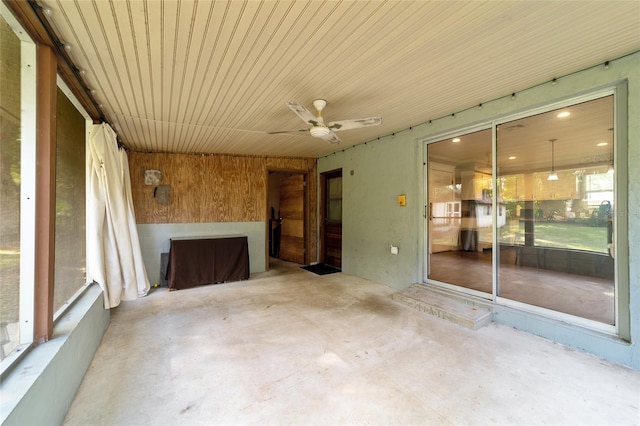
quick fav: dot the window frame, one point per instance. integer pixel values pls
(88, 127)
(30, 259)
(28, 97)
(621, 328)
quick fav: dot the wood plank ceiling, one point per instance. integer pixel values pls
(214, 76)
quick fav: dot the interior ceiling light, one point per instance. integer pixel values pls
(319, 131)
(513, 157)
(455, 140)
(563, 114)
(602, 144)
(553, 175)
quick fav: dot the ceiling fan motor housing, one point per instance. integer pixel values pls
(319, 130)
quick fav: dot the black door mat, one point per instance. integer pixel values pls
(321, 269)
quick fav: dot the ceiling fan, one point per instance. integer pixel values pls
(321, 130)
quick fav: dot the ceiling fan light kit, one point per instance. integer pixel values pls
(320, 130)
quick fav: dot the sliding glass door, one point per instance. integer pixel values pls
(460, 211)
(558, 189)
(537, 229)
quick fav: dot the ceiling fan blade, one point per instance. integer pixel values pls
(288, 131)
(355, 124)
(332, 138)
(302, 112)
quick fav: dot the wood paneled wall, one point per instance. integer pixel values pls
(216, 188)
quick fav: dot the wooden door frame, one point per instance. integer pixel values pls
(323, 209)
(306, 211)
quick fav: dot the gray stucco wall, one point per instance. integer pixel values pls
(41, 388)
(393, 165)
(155, 239)
(373, 176)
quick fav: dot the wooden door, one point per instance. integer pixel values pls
(331, 226)
(292, 214)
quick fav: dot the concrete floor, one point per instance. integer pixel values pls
(291, 347)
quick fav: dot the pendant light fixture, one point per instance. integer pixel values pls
(553, 175)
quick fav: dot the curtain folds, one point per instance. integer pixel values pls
(114, 257)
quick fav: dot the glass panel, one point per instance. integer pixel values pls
(70, 202)
(460, 211)
(334, 194)
(10, 137)
(555, 175)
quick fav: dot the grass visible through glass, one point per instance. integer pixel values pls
(566, 235)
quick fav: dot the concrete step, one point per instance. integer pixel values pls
(460, 311)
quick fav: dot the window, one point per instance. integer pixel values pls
(10, 186)
(18, 259)
(70, 202)
(334, 201)
(17, 186)
(599, 188)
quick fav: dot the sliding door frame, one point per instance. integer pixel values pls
(426, 267)
(621, 328)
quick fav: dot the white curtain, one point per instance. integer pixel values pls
(114, 257)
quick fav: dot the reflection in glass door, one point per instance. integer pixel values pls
(444, 207)
(460, 211)
(556, 176)
(551, 205)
